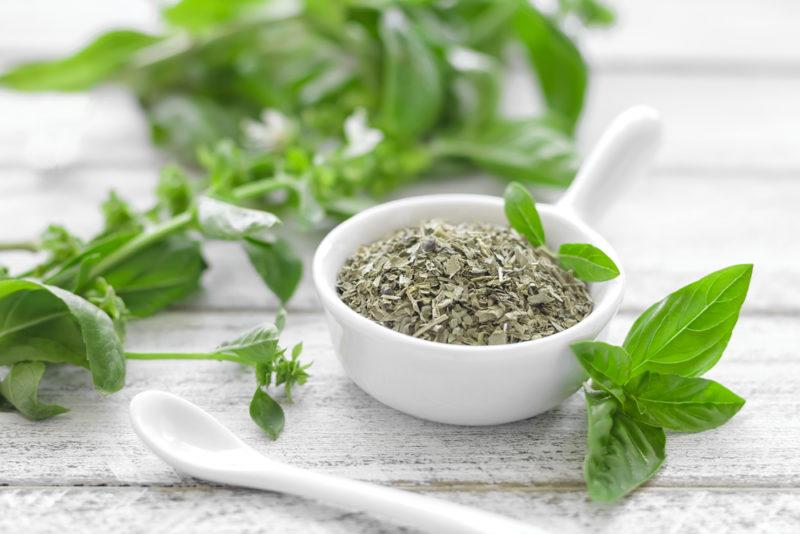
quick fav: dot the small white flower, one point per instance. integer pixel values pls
(361, 139)
(273, 132)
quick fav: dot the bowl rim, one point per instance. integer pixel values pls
(601, 314)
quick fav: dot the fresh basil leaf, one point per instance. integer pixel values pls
(621, 452)
(280, 319)
(5, 406)
(267, 413)
(174, 192)
(291, 371)
(531, 150)
(258, 345)
(60, 243)
(159, 275)
(588, 262)
(200, 15)
(68, 274)
(20, 388)
(475, 86)
(609, 366)
(104, 297)
(220, 220)
(118, 215)
(591, 12)
(277, 264)
(557, 62)
(297, 350)
(412, 91)
(522, 215)
(686, 332)
(680, 403)
(46, 323)
(329, 16)
(98, 62)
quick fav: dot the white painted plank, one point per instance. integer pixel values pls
(334, 427)
(708, 34)
(220, 511)
(670, 229)
(728, 123)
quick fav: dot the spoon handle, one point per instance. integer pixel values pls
(426, 513)
(624, 152)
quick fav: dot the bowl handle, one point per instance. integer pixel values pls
(624, 151)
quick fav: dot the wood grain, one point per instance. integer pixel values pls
(724, 74)
(336, 428)
(205, 509)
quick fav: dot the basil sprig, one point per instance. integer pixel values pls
(74, 306)
(652, 383)
(44, 324)
(587, 262)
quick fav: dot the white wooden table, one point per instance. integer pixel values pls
(726, 189)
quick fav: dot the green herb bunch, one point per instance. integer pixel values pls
(73, 307)
(652, 382)
(303, 110)
(338, 101)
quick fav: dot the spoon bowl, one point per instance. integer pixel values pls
(484, 385)
(183, 435)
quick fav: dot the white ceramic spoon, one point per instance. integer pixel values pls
(195, 443)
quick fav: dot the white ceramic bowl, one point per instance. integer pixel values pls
(483, 385)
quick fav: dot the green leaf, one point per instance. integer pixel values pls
(60, 243)
(412, 92)
(591, 12)
(609, 366)
(588, 262)
(98, 62)
(118, 214)
(103, 296)
(20, 388)
(199, 15)
(680, 403)
(686, 332)
(530, 150)
(557, 62)
(148, 280)
(280, 319)
(277, 265)
(522, 215)
(174, 191)
(267, 413)
(159, 275)
(291, 371)
(258, 345)
(476, 86)
(46, 323)
(621, 452)
(220, 220)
